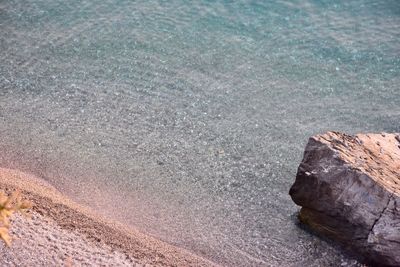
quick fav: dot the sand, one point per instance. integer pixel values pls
(60, 232)
(41, 242)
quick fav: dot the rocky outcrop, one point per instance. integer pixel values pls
(349, 190)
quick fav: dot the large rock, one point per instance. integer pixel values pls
(349, 190)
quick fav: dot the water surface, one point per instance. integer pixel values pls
(188, 119)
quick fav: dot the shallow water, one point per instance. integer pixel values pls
(188, 119)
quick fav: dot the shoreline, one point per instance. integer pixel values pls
(51, 204)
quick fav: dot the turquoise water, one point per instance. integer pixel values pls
(188, 119)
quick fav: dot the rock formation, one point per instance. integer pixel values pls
(349, 190)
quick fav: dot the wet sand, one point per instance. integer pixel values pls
(61, 232)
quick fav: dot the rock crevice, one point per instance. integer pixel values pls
(380, 216)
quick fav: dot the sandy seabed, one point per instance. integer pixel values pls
(60, 232)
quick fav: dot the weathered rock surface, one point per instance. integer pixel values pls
(349, 190)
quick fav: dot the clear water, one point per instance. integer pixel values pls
(187, 119)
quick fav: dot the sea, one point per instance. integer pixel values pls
(187, 120)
